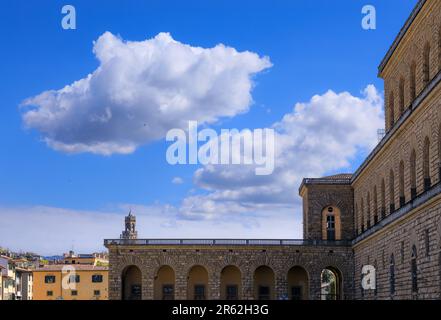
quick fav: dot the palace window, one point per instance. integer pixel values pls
(331, 224)
(402, 196)
(74, 278)
(362, 215)
(391, 110)
(199, 292)
(426, 64)
(357, 218)
(368, 212)
(414, 271)
(264, 293)
(412, 82)
(375, 205)
(232, 292)
(439, 153)
(426, 164)
(427, 242)
(392, 275)
(383, 199)
(413, 190)
(391, 191)
(401, 92)
(168, 292)
(439, 48)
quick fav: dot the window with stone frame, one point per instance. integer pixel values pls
(412, 81)
(391, 191)
(414, 269)
(392, 275)
(426, 164)
(401, 177)
(426, 64)
(413, 186)
(401, 96)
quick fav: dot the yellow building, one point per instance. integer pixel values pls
(71, 282)
(95, 259)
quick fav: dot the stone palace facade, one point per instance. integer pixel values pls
(387, 214)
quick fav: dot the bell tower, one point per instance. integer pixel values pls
(130, 223)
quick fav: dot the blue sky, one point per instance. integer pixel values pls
(314, 46)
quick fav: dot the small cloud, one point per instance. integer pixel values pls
(177, 180)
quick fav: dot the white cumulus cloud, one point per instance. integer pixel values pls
(140, 90)
(322, 135)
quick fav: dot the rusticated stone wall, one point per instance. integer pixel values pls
(247, 259)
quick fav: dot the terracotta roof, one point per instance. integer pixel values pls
(79, 267)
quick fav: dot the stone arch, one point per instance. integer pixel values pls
(131, 283)
(264, 283)
(232, 260)
(165, 260)
(164, 283)
(331, 223)
(128, 260)
(298, 283)
(231, 283)
(331, 283)
(197, 283)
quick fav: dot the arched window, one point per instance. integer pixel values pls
(368, 210)
(439, 48)
(426, 164)
(362, 214)
(383, 199)
(439, 153)
(391, 110)
(375, 205)
(331, 224)
(412, 81)
(392, 275)
(391, 192)
(330, 287)
(413, 190)
(357, 218)
(131, 283)
(426, 64)
(414, 269)
(401, 89)
(402, 196)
